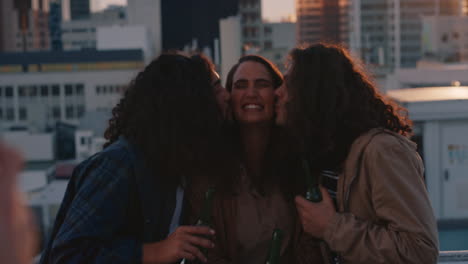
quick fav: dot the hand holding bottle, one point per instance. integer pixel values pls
(185, 242)
(315, 217)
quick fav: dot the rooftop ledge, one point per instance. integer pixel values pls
(457, 257)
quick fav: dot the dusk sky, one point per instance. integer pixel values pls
(273, 10)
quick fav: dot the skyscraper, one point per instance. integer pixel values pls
(252, 26)
(24, 25)
(388, 33)
(55, 20)
(79, 9)
(322, 20)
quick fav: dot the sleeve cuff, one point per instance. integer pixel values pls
(330, 229)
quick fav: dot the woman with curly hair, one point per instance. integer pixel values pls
(125, 204)
(357, 143)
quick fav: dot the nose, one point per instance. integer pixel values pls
(251, 90)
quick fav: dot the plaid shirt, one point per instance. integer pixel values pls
(96, 221)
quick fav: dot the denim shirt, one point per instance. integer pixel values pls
(112, 206)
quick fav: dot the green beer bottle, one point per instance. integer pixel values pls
(203, 220)
(313, 193)
(274, 253)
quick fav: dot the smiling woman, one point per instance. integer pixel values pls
(247, 212)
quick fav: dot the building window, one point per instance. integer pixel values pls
(55, 90)
(83, 141)
(80, 111)
(104, 89)
(98, 89)
(444, 38)
(22, 91)
(68, 89)
(69, 112)
(44, 90)
(32, 91)
(1, 91)
(268, 31)
(1, 113)
(23, 114)
(8, 91)
(10, 114)
(268, 45)
(79, 89)
(56, 112)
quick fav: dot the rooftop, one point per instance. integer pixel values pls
(428, 94)
(82, 56)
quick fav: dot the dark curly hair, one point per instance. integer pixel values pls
(333, 102)
(169, 112)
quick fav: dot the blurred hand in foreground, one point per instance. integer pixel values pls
(17, 230)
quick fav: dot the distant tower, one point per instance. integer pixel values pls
(388, 33)
(322, 20)
(250, 12)
(55, 20)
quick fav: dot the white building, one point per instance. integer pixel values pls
(60, 96)
(231, 43)
(279, 40)
(387, 34)
(428, 74)
(63, 86)
(121, 37)
(147, 13)
(89, 136)
(82, 34)
(445, 38)
(441, 118)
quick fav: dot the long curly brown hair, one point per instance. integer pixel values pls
(333, 101)
(169, 112)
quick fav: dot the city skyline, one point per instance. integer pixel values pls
(273, 10)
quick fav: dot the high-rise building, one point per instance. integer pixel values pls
(55, 20)
(464, 4)
(445, 39)
(24, 25)
(148, 13)
(388, 33)
(250, 12)
(79, 9)
(82, 34)
(322, 20)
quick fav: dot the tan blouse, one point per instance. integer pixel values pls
(257, 217)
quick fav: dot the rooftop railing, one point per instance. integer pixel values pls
(455, 257)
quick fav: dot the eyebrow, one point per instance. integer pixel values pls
(256, 80)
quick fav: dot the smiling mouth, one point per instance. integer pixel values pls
(252, 107)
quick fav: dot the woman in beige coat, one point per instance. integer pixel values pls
(375, 207)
